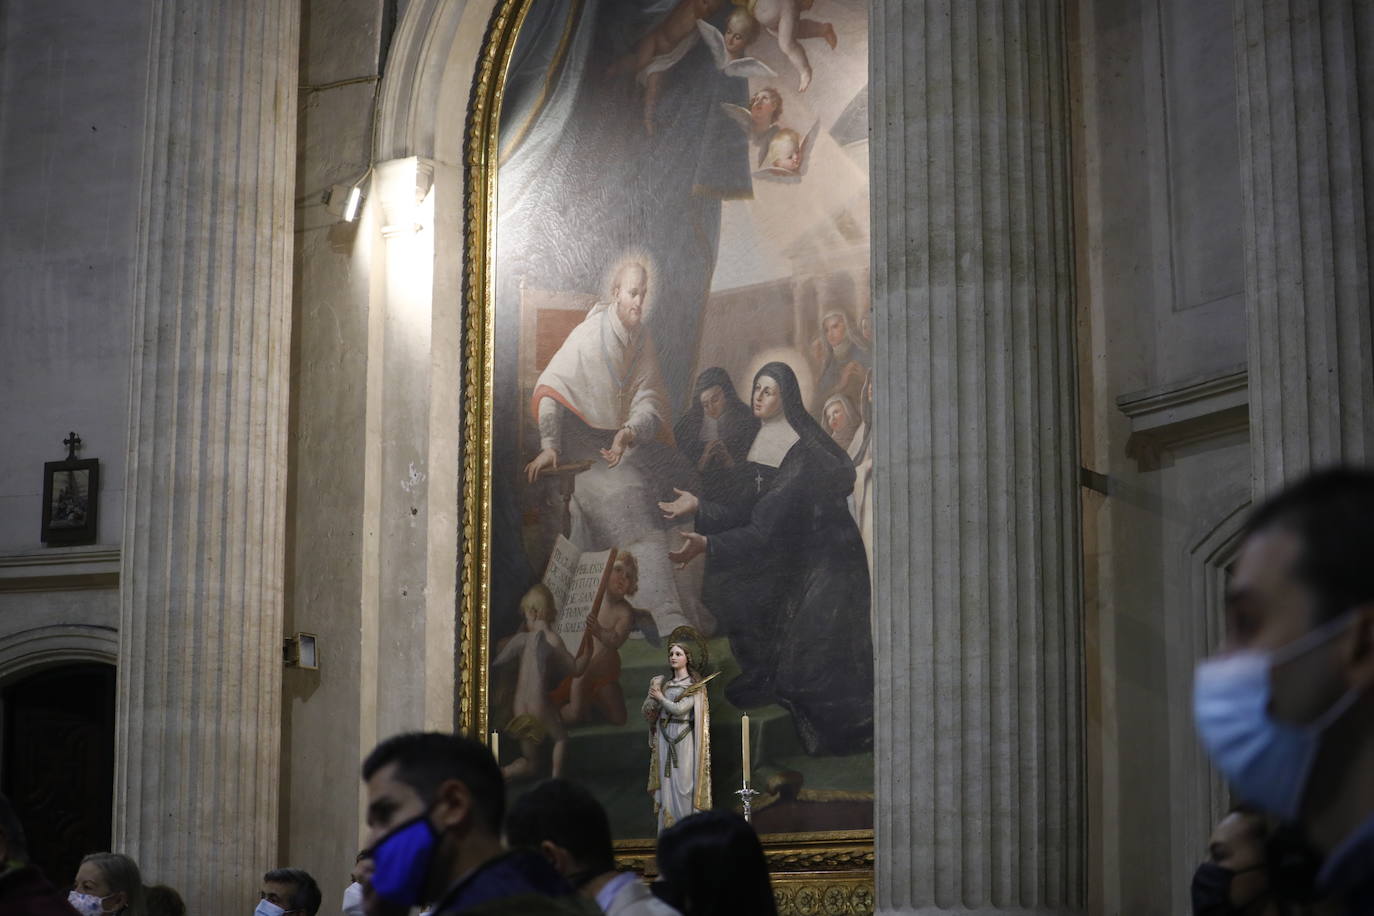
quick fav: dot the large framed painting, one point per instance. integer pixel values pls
(668, 502)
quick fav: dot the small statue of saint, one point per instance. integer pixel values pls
(679, 716)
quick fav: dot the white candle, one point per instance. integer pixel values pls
(495, 745)
(744, 745)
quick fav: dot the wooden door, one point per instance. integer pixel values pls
(58, 763)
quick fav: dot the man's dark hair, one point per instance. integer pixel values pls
(566, 815)
(161, 900)
(1332, 514)
(14, 832)
(713, 862)
(425, 759)
(306, 893)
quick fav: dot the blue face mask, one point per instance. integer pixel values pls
(268, 908)
(1266, 761)
(401, 861)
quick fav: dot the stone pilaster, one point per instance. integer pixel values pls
(200, 663)
(1307, 162)
(976, 618)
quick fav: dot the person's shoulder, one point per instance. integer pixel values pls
(514, 875)
(635, 899)
(532, 905)
(26, 892)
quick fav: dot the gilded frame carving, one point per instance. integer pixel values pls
(827, 872)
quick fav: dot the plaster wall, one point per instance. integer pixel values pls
(72, 80)
(373, 544)
(326, 529)
(1161, 310)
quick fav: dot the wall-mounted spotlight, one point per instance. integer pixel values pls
(346, 200)
(355, 200)
(299, 652)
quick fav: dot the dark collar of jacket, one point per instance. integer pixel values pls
(523, 879)
(1348, 873)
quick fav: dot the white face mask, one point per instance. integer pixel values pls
(353, 900)
(87, 904)
(268, 908)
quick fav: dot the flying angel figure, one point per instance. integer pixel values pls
(784, 21)
(788, 156)
(740, 31)
(760, 120)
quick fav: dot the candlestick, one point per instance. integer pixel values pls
(746, 796)
(744, 746)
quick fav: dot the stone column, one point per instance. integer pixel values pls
(1307, 167)
(980, 765)
(200, 658)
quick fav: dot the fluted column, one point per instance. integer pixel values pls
(200, 664)
(979, 748)
(1307, 163)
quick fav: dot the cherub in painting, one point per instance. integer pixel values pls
(760, 120)
(728, 48)
(678, 26)
(662, 48)
(783, 20)
(785, 152)
(542, 662)
(788, 155)
(595, 682)
(765, 108)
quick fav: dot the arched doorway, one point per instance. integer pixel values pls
(57, 766)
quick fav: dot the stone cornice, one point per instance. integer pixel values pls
(60, 569)
(1167, 417)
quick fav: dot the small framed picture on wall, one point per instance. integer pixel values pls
(71, 497)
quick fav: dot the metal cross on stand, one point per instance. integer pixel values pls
(72, 442)
(747, 796)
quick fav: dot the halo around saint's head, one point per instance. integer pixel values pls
(635, 254)
(698, 656)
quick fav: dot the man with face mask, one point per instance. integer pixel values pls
(288, 892)
(353, 894)
(1234, 880)
(1286, 710)
(434, 808)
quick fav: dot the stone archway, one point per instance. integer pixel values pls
(32, 650)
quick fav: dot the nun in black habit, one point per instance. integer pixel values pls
(716, 431)
(786, 573)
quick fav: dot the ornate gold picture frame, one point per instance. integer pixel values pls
(815, 871)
